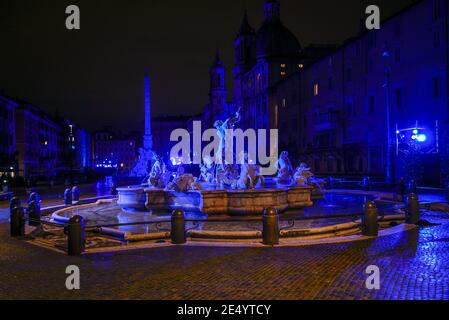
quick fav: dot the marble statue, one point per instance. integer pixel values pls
(285, 169)
(221, 127)
(184, 183)
(303, 174)
(207, 169)
(159, 176)
(249, 176)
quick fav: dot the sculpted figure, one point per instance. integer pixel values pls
(159, 176)
(207, 170)
(221, 127)
(285, 169)
(184, 183)
(249, 175)
(303, 174)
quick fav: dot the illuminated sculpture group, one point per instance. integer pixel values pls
(243, 176)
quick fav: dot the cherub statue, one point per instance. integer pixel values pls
(285, 169)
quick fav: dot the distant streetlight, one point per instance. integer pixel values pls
(389, 165)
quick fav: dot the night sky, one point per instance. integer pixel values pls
(95, 75)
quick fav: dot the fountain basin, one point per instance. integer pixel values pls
(234, 202)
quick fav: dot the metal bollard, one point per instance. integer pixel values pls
(34, 214)
(413, 211)
(366, 183)
(68, 197)
(75, 194)
(76, 238)
(178, 227)
(17, 222)
(401, 190)
(270, 233)
(370, 223)
(14, 202)
(413, 187)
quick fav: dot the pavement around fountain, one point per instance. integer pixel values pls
(413, 265)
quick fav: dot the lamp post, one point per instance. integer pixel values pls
(389, 164)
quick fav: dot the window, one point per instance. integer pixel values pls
(436, 9)
(371, 104)
(349, 75)
(316, 89)
(284, 102)
(398, 98)
(300, 66)
(436, 39)
(436, 83)
(397, 55)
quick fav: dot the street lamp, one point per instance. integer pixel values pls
(389, 165)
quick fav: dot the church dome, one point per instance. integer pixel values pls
(275, 40)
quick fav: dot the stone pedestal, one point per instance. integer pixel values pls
(213, 202)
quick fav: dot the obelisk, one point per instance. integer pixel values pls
(147, 138)
(141, 168)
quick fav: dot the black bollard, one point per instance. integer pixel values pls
(34, 214)
(370, 223)
(75, 194)
(17, 221)
(68, 197)
(413, 210)
(401, 190)
(14, 202)
(178, 227)
(366, 183)
(75, 236)
(413, 187)
(270, 233)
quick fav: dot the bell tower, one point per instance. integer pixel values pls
(217, 91)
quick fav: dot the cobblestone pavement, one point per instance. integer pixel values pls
(414, 265)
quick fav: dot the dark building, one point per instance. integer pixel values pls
(35, 145)
(7, 136)
(114, 151)
(330, 103)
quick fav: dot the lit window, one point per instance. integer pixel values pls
(300, 66)
(284, 102)
(283, 65)
(283, 73)
(316, 89)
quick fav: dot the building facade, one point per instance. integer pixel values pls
(396, 75)
(35, 145)
(7, 136)
(367, 107)
(114, 151)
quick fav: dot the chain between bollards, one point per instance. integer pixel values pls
(413, 212)
(270, 232)
(76, 241)
(178, 227)
(370, 222)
